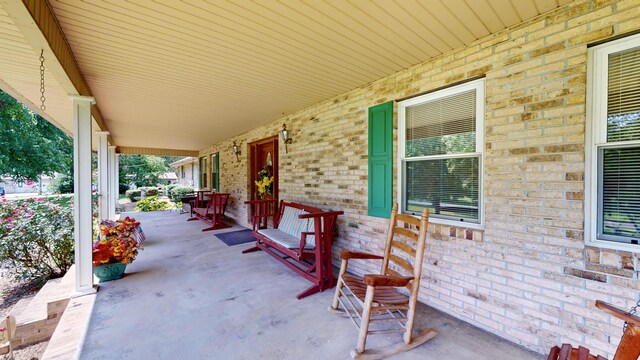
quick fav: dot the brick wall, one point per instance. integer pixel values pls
(528, 276)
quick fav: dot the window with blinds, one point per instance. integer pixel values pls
(615, 143)
(441, 153)
(204, 169)
(215, 177)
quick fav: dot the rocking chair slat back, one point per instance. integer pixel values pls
(405, 247)
(401, 263)
(409, 219)
(403, 227)
(406, 233)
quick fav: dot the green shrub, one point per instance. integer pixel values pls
(180, 191)
(61, 184)
(152, 203)
(122, 188)
(36, 237)
(133, 194)
(169, 189)
(151, 191)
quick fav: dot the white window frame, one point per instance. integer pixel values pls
(596, 136)
(479, 87)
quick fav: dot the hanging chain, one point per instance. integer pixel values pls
(633, 311)
(42, 98)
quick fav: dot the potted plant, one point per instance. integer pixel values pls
(114, 248)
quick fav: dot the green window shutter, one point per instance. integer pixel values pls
(381, 159)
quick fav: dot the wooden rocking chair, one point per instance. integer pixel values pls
(628, 349)
(375, 299)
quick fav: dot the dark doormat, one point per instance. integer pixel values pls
(236, 237)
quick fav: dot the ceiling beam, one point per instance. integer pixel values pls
(40, 27)
(155, 151)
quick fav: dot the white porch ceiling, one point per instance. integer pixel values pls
(187, 74)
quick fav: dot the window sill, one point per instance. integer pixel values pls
(458, 224)
(611, 245)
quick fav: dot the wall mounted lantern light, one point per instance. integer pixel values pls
(236, 150)
(285, 137)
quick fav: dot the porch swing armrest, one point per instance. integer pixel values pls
(387, 280)
(347, 254)
(620, 314)
(320, 214)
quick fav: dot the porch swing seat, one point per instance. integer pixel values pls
(213, 213)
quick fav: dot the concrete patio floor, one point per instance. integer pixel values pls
(190, 296)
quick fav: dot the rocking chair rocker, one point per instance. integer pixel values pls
(375, 299)
(628, 349)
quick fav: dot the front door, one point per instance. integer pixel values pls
(263, 155)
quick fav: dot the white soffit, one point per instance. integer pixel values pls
(187, 74)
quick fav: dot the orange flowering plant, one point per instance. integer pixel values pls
(115, 243)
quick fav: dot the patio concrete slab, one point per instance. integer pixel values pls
(190, 296)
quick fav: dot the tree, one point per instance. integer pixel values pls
(142, 170)
(30, 146)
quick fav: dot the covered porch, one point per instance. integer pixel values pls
(190, 296)
(525, 259)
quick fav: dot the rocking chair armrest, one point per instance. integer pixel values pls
(620, 314)
(387, 280)
(346, 255)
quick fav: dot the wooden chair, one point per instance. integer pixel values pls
(375, 299)
(628, 349)
(201, 201)
(7, 331)
(214, 212)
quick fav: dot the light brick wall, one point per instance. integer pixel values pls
(528, 277)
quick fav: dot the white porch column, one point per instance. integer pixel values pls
(82, 193)
(103, 176)
(116, 176)
(113, 190)
(196, 183)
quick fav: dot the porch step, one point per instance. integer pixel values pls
(36, 318)
(66, 342)
(20, 307)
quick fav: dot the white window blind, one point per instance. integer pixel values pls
(623, 98)
(442, 126)
(620, 188)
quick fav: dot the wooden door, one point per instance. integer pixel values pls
(263, 154)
